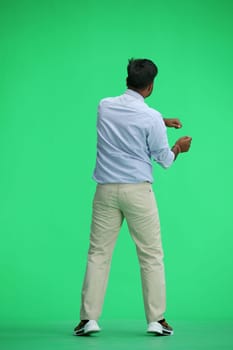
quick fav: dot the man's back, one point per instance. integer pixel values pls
(128, 134)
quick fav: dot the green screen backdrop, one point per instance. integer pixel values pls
(58, 59)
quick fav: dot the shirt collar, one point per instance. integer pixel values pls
(134, 94)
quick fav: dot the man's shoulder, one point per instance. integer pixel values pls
(107, 100)
(153, 114)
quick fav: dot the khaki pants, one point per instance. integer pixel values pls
(136, 203)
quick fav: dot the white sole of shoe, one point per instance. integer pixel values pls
(90, 331)
(165, 333)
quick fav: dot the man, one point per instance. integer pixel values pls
(130, 134)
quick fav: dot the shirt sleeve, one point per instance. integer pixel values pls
(157, 142)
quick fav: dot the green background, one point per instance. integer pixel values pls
(57, 60)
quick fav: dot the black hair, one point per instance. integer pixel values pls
(141, 73)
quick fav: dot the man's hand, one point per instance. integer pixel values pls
(172, 123)
(182, 145)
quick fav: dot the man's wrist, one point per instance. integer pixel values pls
(176, 149)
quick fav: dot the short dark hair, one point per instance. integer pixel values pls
(141, 73)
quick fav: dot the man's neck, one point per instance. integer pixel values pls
(140, 92)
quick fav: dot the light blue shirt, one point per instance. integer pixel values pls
(129, 135)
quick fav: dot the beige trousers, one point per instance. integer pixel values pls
(136, 203)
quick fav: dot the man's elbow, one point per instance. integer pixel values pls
(165, 158)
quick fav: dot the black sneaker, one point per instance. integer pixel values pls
(161, 328)
(86, 327)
